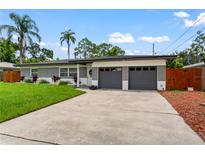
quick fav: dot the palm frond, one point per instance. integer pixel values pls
(63, 33)
(16, 18)
(30, 41)
(34, 34)
(29, 23)
(73, 39)
(32, 27)
(9, 29)
(67, 36)
(62, 39)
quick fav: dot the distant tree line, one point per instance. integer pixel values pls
(88, 49)
(193, 54)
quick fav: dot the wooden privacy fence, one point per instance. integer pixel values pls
(11, 76)
(182, 78)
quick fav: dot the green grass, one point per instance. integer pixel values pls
(17, 99)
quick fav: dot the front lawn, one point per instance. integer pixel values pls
(190, 106)
(20, 98)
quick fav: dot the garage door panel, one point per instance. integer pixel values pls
(140, 79)
(110, 79)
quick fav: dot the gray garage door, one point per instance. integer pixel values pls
(110, 78)
(143, 78)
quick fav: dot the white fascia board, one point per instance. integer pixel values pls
(156, 62)
(54, 66)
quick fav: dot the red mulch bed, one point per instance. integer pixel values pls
(187, 104)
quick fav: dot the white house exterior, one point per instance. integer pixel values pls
(119, 72)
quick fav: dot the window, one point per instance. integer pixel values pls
(119, 69)
(101, 69)
(113, 69)
(145, 68)
(107, 69)
(132, 69)
(63, 72)
(152, 68)
(73, 72)
(34, 72)
(116, 69)
(138, 68)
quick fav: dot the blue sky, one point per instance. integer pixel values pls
(132, 30)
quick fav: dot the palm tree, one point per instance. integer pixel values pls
(25, 28)
(69, 37)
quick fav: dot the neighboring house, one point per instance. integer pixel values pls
(202, 66)
(117, 72)
(4, 66)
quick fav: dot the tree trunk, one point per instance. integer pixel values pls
(24, 51)
(21, 50)
(68, 50)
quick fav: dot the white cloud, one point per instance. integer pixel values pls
(181, 14)
(58, 44)
(15, 37)
(42, 44)
(64, 48)
(52, 44)
(198, 21)
(132, 52)
(151, 39)
(118, 37)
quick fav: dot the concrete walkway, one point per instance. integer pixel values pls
(102, 117)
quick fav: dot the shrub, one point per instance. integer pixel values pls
(93, 87)
(28, 81)
(22, 78)
(55, 78)
(35, 78)
(43, 82)
(63, 83)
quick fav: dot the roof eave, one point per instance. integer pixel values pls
(202, 64)
(84, 61)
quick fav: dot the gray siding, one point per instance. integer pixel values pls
(25, 72)
(125, 73)
(48, 72)
(161, 73)
(94, 73)
(83, 72)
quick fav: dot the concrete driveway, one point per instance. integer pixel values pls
(102, 117)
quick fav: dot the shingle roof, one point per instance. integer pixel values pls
(90, 60)
(6, 65)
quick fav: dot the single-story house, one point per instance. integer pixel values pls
(5, 66)
(202, 66)
(116, 72)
